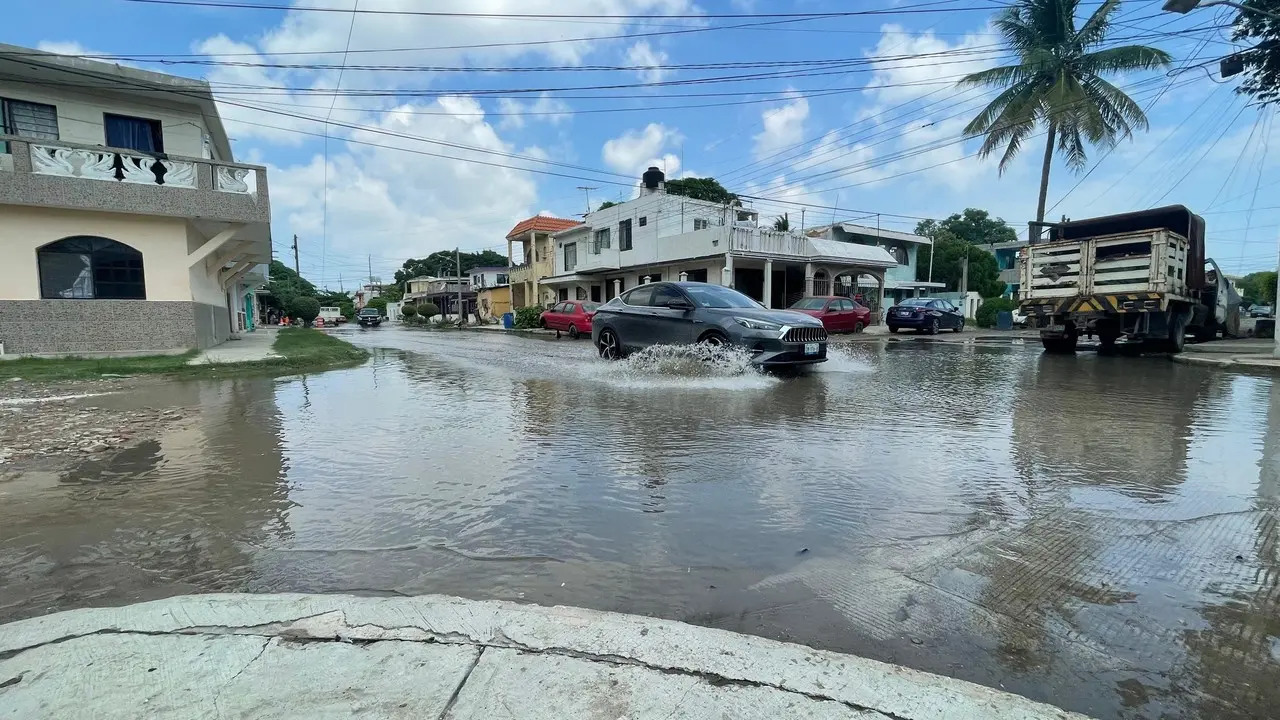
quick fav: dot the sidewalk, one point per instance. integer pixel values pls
(1254, 354)
(249, 347)
(442, 657)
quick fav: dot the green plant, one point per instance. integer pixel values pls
(348, 310)
(527, 317)
(986, 315)
(307, 308)
(380, 303)
(1058, 83)
(428, 309)
(409, 312)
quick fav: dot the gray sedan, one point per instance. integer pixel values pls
(667, 313)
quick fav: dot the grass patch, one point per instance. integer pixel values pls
(300, 349)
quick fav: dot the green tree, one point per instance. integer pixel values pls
(1259, 287)
(702, 189)
(286, 285)
(428, 310)
(348, 310)
(380, 303)
(409, 312)
(1261, 62)
(442, 264)
(606, 204)
(974, 226)
(306, 308)
(1058, 83)
(948, 252)
(782, 223)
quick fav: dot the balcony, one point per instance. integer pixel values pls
(529, 272)
(82, 177)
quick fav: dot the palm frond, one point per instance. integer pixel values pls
(1007, 75)
(1127, 114)
(987, 117)
(1128, 58)
(1071, 145)
(1096, 27)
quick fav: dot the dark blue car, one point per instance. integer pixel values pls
(925, 315)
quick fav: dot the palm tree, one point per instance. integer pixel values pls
(782, 223)
(1058, 83)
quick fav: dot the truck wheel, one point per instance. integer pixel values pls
(1059, 346)
(1178, 333)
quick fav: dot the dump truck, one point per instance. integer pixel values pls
(1139, 277)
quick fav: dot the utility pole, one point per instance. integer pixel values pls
(587, 190)
(964, 285)
(457, 257)
(931, 243)
(295, 256)
(370, 272)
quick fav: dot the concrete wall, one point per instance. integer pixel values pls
(91, 326)
(80, 115)
(212, 324)
(162, 242)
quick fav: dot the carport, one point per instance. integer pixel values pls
(808, 266)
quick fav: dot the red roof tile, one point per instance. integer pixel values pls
(542, 223)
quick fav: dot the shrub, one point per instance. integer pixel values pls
(528, 317)
(348, 310)
(986, 315)
(380, 303)
(307, 308)
(428, 309)
(409, 312)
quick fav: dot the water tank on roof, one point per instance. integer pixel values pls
(653, 179)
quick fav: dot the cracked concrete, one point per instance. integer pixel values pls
(434, 656)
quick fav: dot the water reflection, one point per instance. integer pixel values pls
(1063, 527)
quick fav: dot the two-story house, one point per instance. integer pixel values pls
(492, 286)
(657, 236)
(125, 224)
(908, 251)
(534, 238)
(442, 292)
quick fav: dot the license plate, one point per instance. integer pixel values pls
(811, 348)
(1056, 329)
(904, 313)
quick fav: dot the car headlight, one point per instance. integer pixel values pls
(757, 324)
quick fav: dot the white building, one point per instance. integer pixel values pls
(489, 277)
(668, 237)
(125, 223)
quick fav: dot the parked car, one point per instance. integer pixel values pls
(926, 315)
(571, 316)
(1261, 311)
(838, 314)
(669, 313)
(369, 317)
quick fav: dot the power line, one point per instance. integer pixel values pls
(324, 222)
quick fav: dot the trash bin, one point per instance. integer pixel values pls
(508, 320)
(1004, 320)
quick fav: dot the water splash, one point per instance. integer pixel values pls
(843, 360)
(690, 361)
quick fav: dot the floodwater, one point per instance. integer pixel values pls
(1098, 533)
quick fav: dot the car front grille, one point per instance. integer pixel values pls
(805, 334)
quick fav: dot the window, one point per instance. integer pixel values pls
(810, 304)
(86, 268)
(644, 221)
(899, 254)
(601, 241)
(580, 293)
(699, 224)
(664, 294)
(28, 119)
(699, 275)
(624, 234)
(639, 296)
(477, 280)
(503, 279)
(133, 133)
(846, 304)
(570, 256)
(653, 277)
(563, 295)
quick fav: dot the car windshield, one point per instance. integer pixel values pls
(915, 302)
(369, 311)
(810, 304)
(715, 296)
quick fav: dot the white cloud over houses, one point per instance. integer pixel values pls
(635, 150)
(783, 126)
(643, 55)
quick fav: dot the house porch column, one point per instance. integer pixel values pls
(768, 282)
(808, 279)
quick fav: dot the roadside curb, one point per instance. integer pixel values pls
(1240, 362)
(304, 654)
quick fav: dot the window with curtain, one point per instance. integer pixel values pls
(133, 133)
(28, 119)
(88, 268)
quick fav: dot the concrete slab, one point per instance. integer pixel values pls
(248, 347)
(717, 657)
(541, 686)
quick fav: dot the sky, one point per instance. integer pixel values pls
(447, 129)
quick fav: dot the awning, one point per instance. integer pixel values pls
(571, 279)
(866, 256)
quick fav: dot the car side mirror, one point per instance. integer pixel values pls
(679, 304)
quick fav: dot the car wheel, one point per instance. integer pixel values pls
(573, 332)
(958, 328)
(714, 339)
(542, 323)
(893, 328)
(933, 327)
(857, 328)
(608, 345)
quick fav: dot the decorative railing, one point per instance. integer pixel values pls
(772, 242)
(227, 178)
(115, 165)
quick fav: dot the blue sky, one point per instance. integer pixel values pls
(875, 130)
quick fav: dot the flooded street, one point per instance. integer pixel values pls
(1099, 533)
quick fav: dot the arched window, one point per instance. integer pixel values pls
(90, 268)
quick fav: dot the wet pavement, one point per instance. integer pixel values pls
(1099, 533)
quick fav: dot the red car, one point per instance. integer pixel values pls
(838, 314)
(571, 316)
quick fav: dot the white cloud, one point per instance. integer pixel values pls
(783, 126)
(641, 54)
(65, 47)
(635, 150)
(924, 63)
(552, 111)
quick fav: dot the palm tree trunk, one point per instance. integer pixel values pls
(1044, 171)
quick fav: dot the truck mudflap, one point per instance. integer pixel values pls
(1103, 303)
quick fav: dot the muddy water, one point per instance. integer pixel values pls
(1099, 533)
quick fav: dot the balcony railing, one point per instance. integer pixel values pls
(772, 242)
(182, 186)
